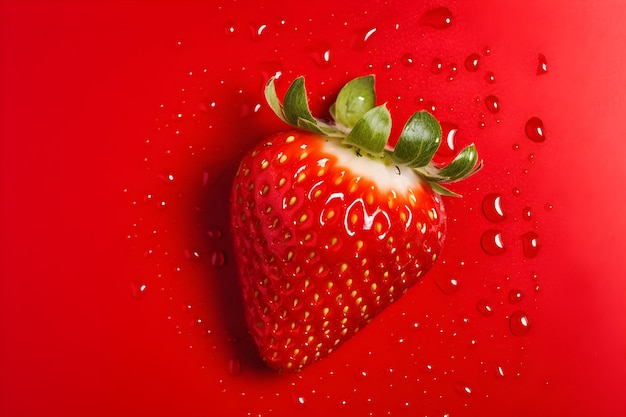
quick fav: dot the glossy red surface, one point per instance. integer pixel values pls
(121, 124)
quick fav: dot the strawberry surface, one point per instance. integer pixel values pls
(326, 240)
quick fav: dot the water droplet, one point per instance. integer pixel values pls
(360, 374)
(217, 258)
(542, 64)
(530, 244)
(515, 296)
(446, 282)
(257, 30)
(448, 134)
(192, 254)
(407, 60)
(492, 208)
(363, 37)
(138, 289)
(484, 308)
(214, 233)
(472, 62)
(492, 243)
(436, 66)
(297, 400)
(463, 389)
(490, 77)
(320, 54)
(534, 129)
(234, 367)
(527, 213)
(438, 18)
(499, 371)
(229, 30)
(492, 103)
(519, 323)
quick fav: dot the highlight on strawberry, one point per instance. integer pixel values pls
(330, 226)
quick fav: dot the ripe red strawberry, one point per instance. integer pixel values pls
(329, 226)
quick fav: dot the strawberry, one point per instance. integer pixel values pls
(330, 226)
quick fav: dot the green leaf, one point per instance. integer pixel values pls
(295, 104)
(272, 99)
(320, 128)
(441, 190)
(463, 165)
(355, 99)
(371, 132)
(418, 141)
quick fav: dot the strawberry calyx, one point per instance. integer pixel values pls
(357, 122)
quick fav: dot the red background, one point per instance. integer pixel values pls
(91, 144)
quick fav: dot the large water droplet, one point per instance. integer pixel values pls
(492, 243)
(527, 213)
(530, 244)
(446, 282)
(257, 30)
(519, 323)
(534, 129)
(217, 258)
(492, 208)
(438, 18)
(542, 64)
(492, 103)
(297, 400)
(363, 37)
(472, 62)
(448, 134)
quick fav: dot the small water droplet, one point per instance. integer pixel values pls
(527, 213)
(447, 146)
(516, 192)
(407, 60)
(499, 371)
(138, 289)
(214, 233)
(297, 400)
(515, 296)
(192, 254)
(446, 282)
(438, 18)
(490, 77)
(463, 389)
(519, 323)
(234, 367)
(360, 374)
(492, 103)
(229, 30)
(320, 54)
(530, 244)
(436, 66)
(534, 129)
(217, 258)
(492, 243)
(492, 208)
(484, 308)
(542, 64)
(472, 62)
